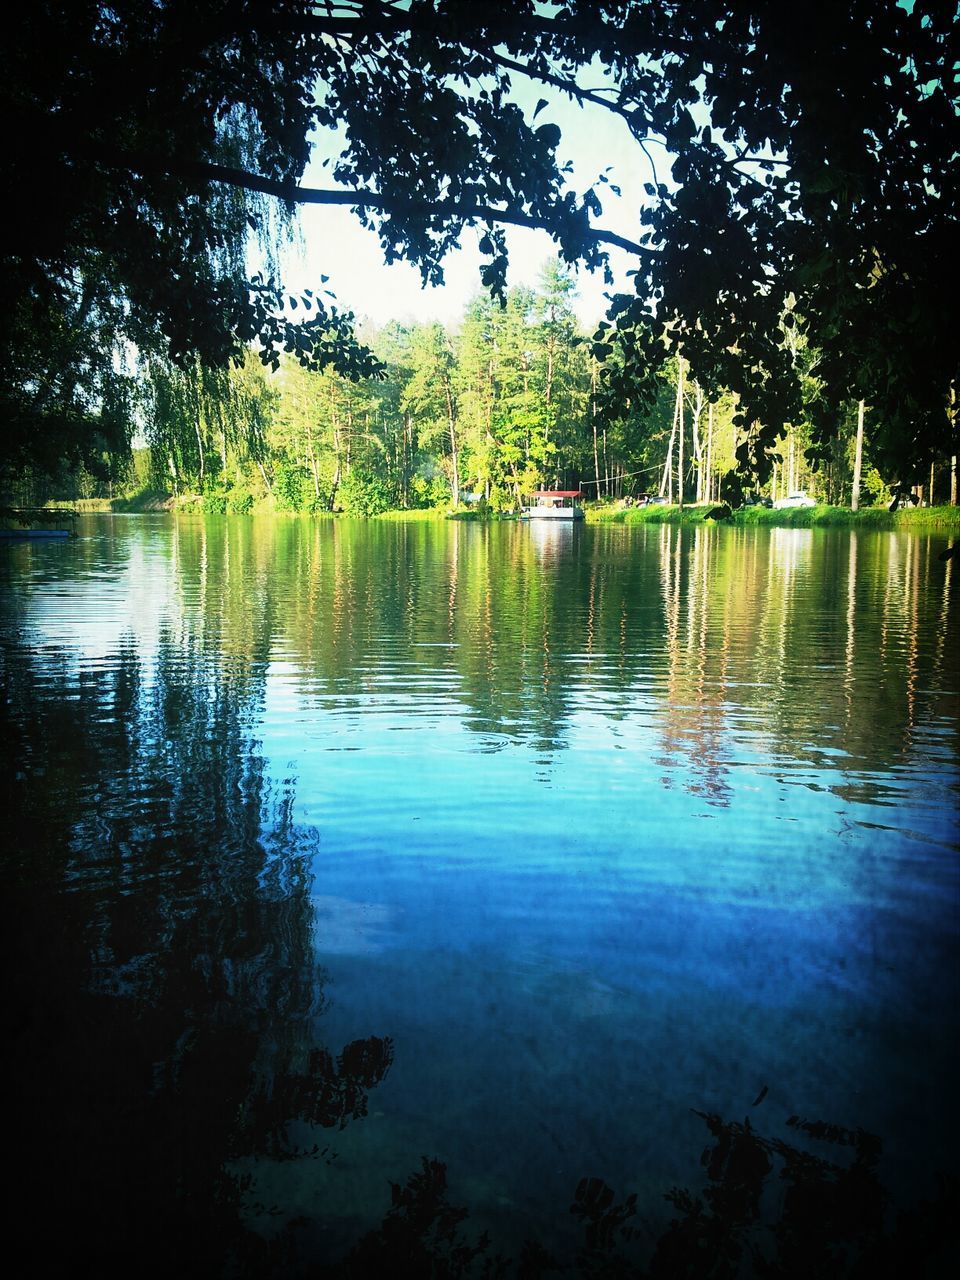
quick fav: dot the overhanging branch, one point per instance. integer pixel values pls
(388, 204)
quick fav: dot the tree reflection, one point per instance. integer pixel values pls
(164, 1001)
(819, 640)
(163, 991)
(810, 1207)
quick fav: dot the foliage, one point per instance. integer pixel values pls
(240, 502)
(215, 503)
(429, 492)
(198, 420)
(288, 486)
(363, 494)
(521, 372)
(118, 236)
(802, 177)
(873, 485)
(812, 185)
(493, 408)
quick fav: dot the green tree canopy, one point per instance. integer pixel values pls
(802, 164)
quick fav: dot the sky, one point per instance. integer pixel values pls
(333, 243)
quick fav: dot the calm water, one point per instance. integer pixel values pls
(331, 847)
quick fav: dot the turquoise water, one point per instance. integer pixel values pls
(339, 845)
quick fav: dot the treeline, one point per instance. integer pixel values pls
(510, 400)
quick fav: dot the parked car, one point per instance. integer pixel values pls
(796, 499)
(651, 500)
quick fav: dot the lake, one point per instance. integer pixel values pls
(368, 887)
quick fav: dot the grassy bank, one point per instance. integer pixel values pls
(914, 519)
(196, 504)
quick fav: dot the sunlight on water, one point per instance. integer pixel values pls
(558, 833)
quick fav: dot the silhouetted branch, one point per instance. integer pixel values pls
(358, 199)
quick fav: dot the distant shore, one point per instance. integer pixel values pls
(917, 519)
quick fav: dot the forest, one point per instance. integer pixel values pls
(794, 273)
(471, 417)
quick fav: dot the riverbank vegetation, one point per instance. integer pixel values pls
(471, 418)
(823, 515)
(793, 274)
(943, 518)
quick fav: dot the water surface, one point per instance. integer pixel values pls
(334, 846)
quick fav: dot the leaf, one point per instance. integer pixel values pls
(549, 135)
(538, 108)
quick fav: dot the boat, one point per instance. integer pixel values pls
(553, 504)
(37, 522)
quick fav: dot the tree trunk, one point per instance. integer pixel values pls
(593, 418)
(337, 465)
(666, 480)
(408, 453)
(698, 445)
(548, 390)
(953, 458)
(334, 486)
(454, 456)
(196, 427)
(708, 494)
(857, 461)
(314, 470)
(680, 425)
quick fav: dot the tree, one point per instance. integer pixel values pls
(117, 236)
(202, 422)
(503, 395)
(430, 394)
(563, 359)
(809, 169)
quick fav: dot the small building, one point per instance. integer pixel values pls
(553, 504)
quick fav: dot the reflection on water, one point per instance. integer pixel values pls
(332, 847)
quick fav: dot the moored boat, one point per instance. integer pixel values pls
(553, 504)
(37, 522)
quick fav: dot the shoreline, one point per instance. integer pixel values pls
(917, 519)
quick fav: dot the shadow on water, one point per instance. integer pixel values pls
(768, 1209)
(162, 995)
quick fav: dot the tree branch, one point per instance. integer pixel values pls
(559, 82)
(388, 204)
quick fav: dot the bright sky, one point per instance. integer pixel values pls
(334, 243)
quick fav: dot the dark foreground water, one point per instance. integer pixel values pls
(368, 888)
